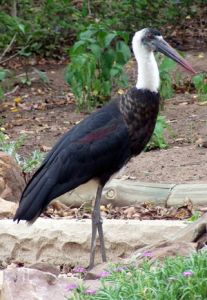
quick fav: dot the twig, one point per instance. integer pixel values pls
(9, 58)
(8, 47)
(14, 55)
(13, 91)
(89, 7)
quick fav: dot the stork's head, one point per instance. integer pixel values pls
(152, 40)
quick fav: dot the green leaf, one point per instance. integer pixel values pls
(158, 140)
(86, 34)
(96, 50)
(77, 47)
(167, 64)
(108, 39)
(124, 49)
(2, 74)
(116, 70)
(42, 75)
(1, 93)
(199, 82)
(21, 27)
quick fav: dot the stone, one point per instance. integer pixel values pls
(127, 192)
(97, 271)
(45, 268)
(184, 242)
(197, 193)
(119, 193)
(11, 178)
(24, 284)
(7, 208)
(63, 241)
(193, 231)
(162, 250)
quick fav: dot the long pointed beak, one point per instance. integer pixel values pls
(163, 47)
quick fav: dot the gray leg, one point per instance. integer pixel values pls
(97, 224)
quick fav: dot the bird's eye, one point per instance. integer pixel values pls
(150, 36)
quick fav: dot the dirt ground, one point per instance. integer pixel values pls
(43, 112)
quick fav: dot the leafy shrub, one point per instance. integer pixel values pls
(11, 148)
(158, 140)
(97, 61)
(50, 25)
(166, 66)
(41, 28)
(200, 83)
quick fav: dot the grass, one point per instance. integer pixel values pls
(180, 278)
(28, 164)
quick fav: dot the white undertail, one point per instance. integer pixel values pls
(148, 73)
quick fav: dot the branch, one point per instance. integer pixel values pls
(8, 47)
(89, 7)
(12, 92)
(14, 9)
(14, 55)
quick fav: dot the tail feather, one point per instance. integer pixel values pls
(34, 202)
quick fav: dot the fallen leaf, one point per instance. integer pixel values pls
(45, 148)
(17, 100)
(13, 109)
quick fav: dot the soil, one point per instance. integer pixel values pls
(44, 111)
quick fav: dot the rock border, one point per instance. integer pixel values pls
(127, 192)
(63, 241)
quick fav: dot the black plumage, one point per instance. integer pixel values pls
(101, 144)
(96, 148)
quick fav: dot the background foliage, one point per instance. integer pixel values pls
(97, 61)
(48, 27)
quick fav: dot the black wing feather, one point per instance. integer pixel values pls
(96, 147)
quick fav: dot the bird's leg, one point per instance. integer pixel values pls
(97, 224)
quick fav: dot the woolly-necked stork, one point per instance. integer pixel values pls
(102, 143)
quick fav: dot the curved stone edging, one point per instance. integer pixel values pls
(128, 192)
(62, 241)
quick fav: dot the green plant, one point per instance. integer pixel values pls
(32, 162)
(48, 27)
(158, 140)
(182, 278)
(200, 83)
(2, 78)
(97, 61)
(166, 66)
(11, 148)
(196, 215)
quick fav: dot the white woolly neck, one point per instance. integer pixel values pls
(148, 73)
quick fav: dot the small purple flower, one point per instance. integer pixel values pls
(147, 254)
(90, 292)
(71, 286)
(79, 270)
(187, 273)
(103, 274)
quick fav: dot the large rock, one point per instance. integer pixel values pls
(62, 241)
(186, 241)
(11, 179)
(24, 284)
(162, 250)
(7, 208)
